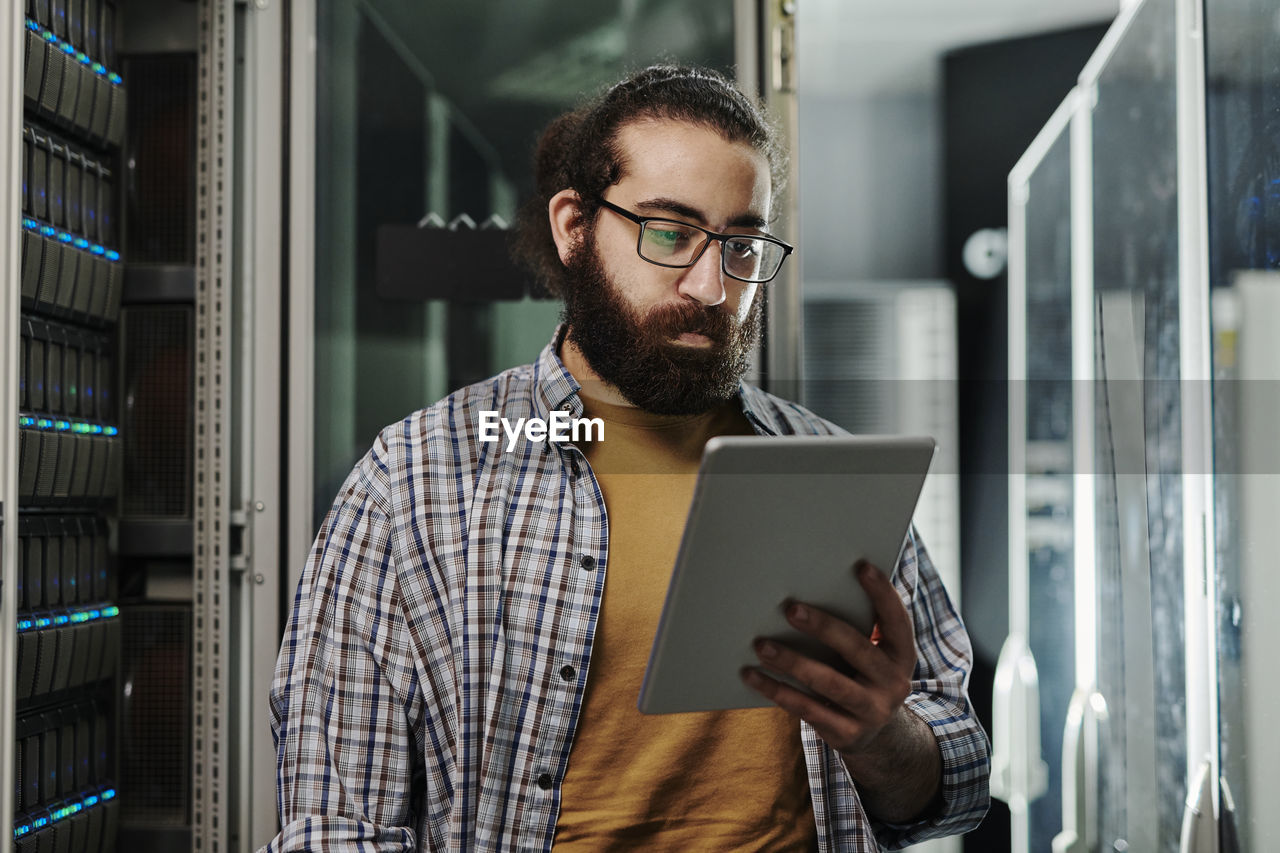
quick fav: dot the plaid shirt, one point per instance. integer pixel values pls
(435, 663)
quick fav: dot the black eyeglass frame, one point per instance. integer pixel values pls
(643, 222)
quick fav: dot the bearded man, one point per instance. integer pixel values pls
(471, 630)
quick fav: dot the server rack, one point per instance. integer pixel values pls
(64, 588)
(141, 331)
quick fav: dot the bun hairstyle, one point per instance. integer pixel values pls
(579, 149)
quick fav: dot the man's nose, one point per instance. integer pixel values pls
(704, 281)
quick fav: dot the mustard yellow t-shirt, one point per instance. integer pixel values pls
(724, 780)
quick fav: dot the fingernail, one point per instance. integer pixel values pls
(864, 569)
(750, 676)
(766, 650)
(799, 613)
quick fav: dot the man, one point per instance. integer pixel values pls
(468, 639)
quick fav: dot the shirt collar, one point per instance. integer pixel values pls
(555, 388)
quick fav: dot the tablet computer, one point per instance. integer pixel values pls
(776, 519)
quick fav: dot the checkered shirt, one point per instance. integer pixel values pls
(419, 701)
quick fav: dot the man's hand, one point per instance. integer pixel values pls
(890, 752)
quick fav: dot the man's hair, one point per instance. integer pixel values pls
(579, 150)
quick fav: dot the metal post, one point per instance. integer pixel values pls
(11, 35)
(211, 564)
(765, 54)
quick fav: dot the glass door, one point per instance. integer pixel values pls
(1143, 137)
(1112, 565)
(427, 114)
(1243, 59)
(1036, 674)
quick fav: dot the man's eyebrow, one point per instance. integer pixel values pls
(679, 208)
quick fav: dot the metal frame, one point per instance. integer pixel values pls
(764, 47)
(1079, 744)
(11, 51)
(1200, 819)
(260, 238)
(211, 563)
(1019, 774)
(301, 259)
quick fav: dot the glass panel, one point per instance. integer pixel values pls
(1141, 669)
(434, 108)
(1050, 587)
(1243, 58)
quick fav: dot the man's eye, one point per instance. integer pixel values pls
(668, 236)
(742, 248)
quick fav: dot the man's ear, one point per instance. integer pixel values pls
(565, 212)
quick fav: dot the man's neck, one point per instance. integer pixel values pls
(576, 363)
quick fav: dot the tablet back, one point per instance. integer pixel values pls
(776, 519)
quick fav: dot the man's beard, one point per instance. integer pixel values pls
(636, 355)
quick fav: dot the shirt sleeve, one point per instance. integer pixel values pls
(342, 696)
(940, 697)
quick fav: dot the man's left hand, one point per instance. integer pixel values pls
(889, 751)
(847, 711)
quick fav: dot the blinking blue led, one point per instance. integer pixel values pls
(111, 430)
(48, 231)
(113, 255)
(97, 250)
(82, 243)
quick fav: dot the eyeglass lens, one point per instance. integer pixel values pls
(676, 244)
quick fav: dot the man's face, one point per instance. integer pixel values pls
(672, 341)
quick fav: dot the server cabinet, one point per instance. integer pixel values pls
(142, 314)
(63, 622)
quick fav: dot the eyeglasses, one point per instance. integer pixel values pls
(668, 243)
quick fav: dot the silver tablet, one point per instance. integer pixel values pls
(776, 519)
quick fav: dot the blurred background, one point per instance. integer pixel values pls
(251, 234)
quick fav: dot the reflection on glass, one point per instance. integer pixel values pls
(1141, 658)
(1243, 110)
(1050, 586)
(434, 108)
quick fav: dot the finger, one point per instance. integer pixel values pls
(844, 639)
(897, 634)
(839, 729)
(817, 677)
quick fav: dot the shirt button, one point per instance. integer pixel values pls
(568, 673)
(588, 562)
(544, 781)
